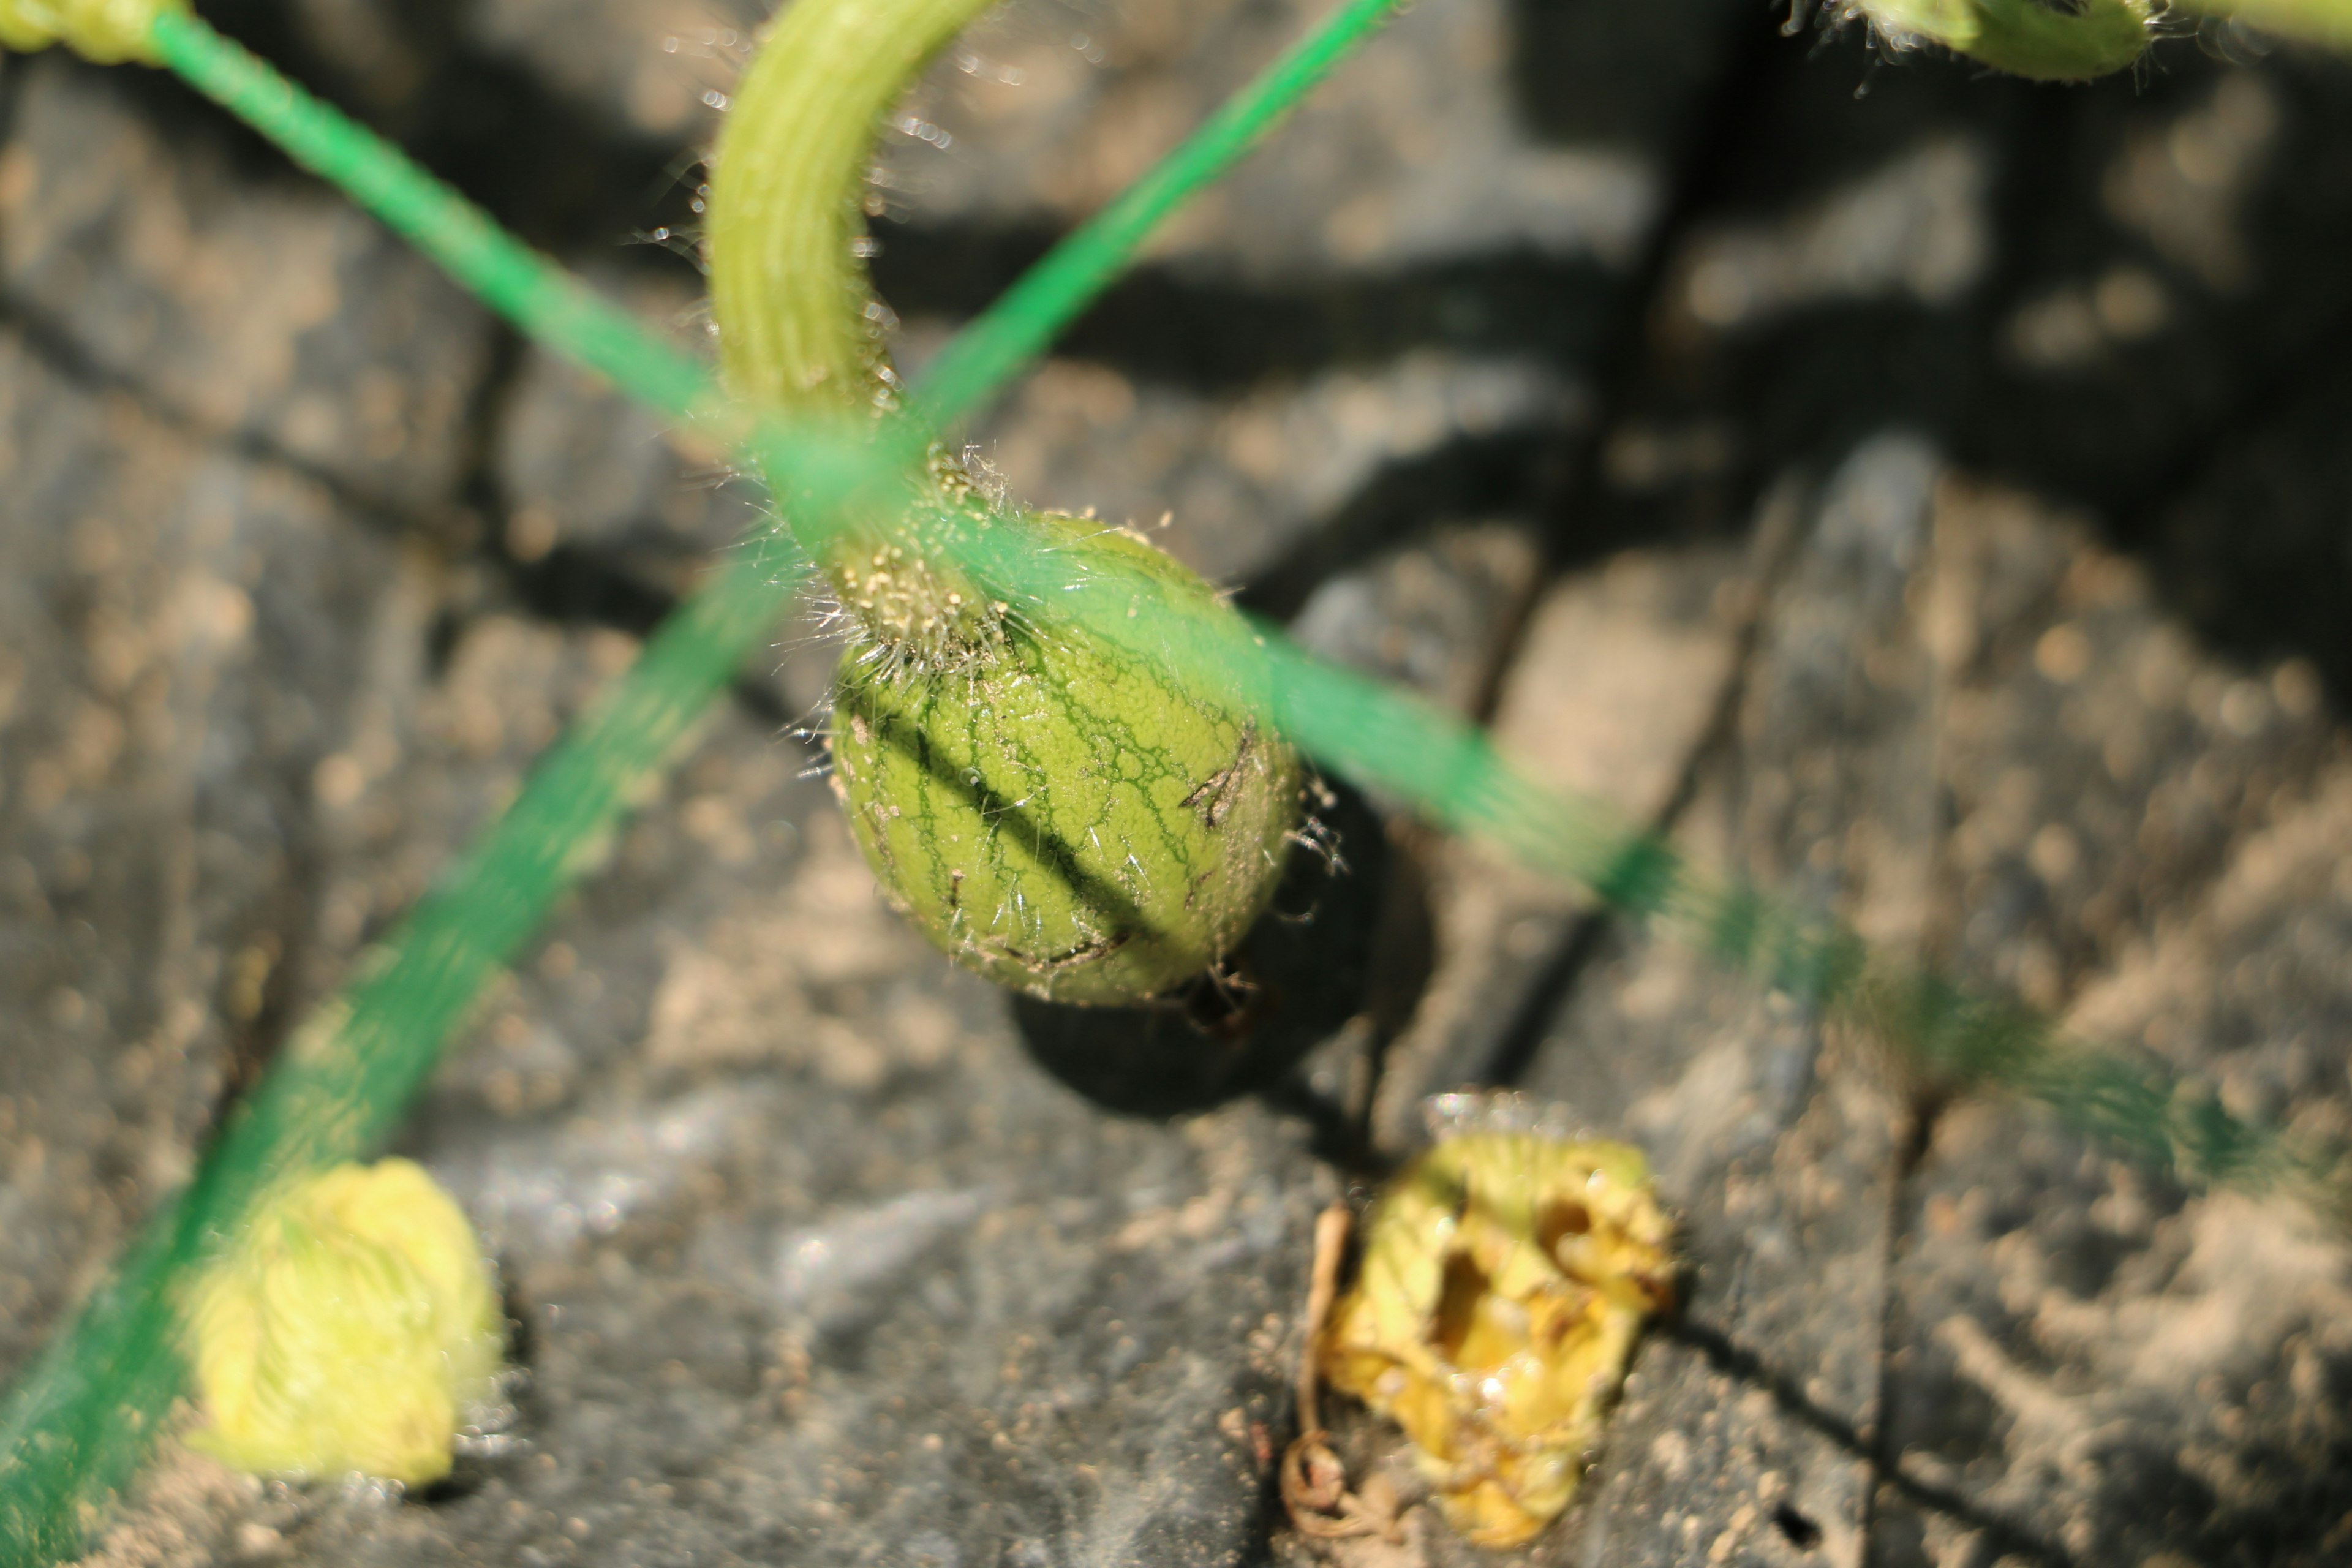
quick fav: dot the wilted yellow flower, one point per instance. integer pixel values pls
(1506, 1277)
(352, 1327)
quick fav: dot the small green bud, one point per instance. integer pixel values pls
(1061, 815)
(352, 1326)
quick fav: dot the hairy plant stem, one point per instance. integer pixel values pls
(801, 329)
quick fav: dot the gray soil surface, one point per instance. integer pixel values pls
(1924, 493)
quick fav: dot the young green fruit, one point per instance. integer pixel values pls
(1053, 810)
(1061, 815)
(352, 1327)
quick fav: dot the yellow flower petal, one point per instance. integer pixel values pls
(1506, 1277)
(352, 1327)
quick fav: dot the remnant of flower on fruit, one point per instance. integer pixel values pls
(1506, 1277)
(353, 1326)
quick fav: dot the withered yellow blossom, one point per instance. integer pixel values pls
(1505, 1278)
(353, 1326)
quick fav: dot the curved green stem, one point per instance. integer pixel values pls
(785, 209)
(798, 326)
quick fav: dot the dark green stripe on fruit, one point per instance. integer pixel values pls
(1062, 817)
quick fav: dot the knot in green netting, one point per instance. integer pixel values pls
(107, 31)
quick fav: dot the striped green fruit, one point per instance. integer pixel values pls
(1059, 813)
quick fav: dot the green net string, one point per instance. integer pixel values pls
(76, 1425)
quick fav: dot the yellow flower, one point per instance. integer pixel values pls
(1506, 1277)
(352, 1327)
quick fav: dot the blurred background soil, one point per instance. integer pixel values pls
(1925, 493)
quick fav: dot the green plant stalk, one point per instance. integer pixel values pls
(800, 328)
(2024, 38)
(800, 317)
(800, 321)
